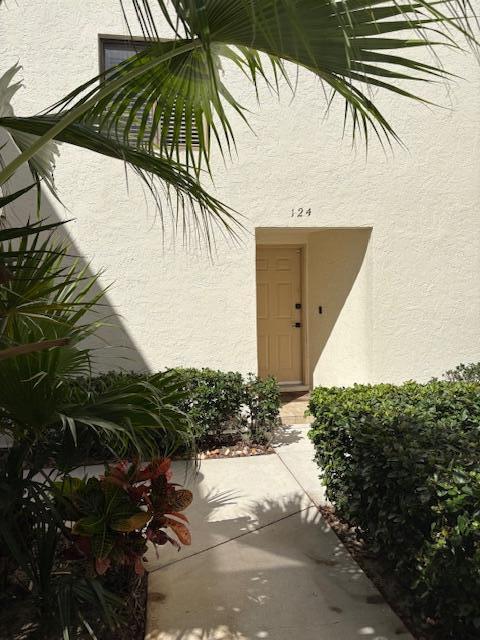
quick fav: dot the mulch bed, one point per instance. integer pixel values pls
(238, 450)
(395, 594)
(135, 594)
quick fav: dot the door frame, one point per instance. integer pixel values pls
(305, 385)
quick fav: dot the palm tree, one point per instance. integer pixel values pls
(352, 46)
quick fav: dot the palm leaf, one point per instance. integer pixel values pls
(43, 303)
(11, 259)
(135, 415)
(48, 293)
(50, 302)
(182, 192)
(7, 199)
(352, 46)
(42, 162)
(8, 257)
(30, 229)
(348, 44)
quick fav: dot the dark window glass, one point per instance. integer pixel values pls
(114, 52)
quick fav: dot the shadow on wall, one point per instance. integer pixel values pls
(114, 347)
(338, 283)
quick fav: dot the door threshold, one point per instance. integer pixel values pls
(289, 388)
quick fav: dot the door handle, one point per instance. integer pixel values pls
(297, 325)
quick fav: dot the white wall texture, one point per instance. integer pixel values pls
(413, 309)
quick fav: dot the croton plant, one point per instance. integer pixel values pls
(111, 519)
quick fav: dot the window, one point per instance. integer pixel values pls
(113, 51)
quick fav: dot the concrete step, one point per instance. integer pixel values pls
(296, 419)
(294, 407)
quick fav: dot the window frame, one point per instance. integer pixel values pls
(105, 39)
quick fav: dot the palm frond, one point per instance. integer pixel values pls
(181, 192)
(42, 163)
(353, 46)
(47, 298)
(9, 260)
(79, 599)
(8, 234)
(48, 293)
(128, 414)
(139, 107)
(9, 256)
(9, 198)
(174, 109)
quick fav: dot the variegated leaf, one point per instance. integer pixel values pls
(180, 500)
(180, 530)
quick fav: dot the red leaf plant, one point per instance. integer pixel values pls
(112, 519)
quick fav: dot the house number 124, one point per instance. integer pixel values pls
(300, 212)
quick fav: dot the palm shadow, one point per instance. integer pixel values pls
(277, 573)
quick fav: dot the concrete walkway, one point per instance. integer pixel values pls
(263, 564)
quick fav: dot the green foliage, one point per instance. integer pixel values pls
(449, 562)
(49, 297)
(262, 399)
(32, 536)
(14, 249)
(213, 400)
(222, 407)
(464, 373)
(217, 408)
(72, 536)
(401, 463)
(50, 410)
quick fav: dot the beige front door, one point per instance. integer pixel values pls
(279, 296)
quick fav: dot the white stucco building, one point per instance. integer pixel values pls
(382, 275)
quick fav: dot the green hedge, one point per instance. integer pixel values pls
(402, 464)
(223, 406)
(464, 373)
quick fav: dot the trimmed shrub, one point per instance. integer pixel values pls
(225, 408)
(464, 373)
(402, 465)
(262, 400)
(213, 401)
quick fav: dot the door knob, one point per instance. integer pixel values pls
(297, 325)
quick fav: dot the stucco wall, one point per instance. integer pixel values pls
(414, 309)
